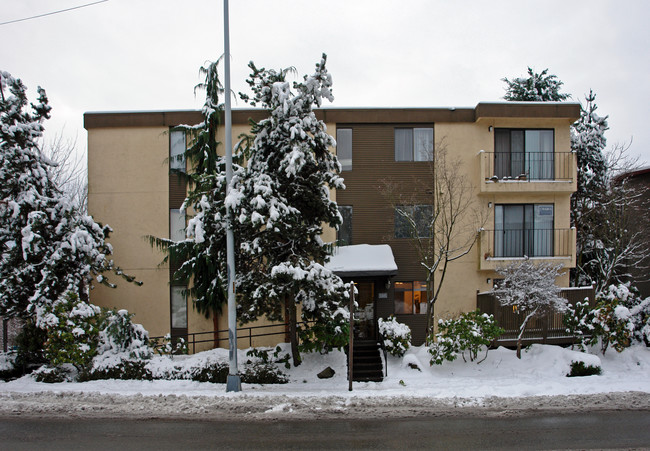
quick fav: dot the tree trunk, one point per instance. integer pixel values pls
(293, 332)
(522, 328)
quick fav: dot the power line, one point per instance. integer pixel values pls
(53, 12)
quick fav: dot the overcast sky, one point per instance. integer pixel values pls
(123, 55)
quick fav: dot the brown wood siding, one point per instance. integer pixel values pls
(373, 162)
(418, 325)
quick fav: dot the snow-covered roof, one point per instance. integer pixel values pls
(363, 260)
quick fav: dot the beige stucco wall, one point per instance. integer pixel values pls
(127, 189)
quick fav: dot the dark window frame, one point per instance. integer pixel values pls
(409, 155)
(534, 165)
(528, 240)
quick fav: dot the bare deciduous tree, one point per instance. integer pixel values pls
(68, 172)
(447, 229)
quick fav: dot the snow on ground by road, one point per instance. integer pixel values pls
(500, 385)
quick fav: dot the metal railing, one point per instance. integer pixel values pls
(526, 242)
(243, 333)
(529, 167)
(548, 328)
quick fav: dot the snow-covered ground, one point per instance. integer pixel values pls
(500, 385)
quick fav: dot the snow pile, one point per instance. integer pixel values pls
(501, 383)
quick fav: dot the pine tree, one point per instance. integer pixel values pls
(48, 247)
(283, 202)
(588, 142)
(535, 88)
(203, 254)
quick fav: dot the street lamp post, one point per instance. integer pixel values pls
(234, 380)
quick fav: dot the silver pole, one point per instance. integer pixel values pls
(234, 381)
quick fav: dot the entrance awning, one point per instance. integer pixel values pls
(363, 260)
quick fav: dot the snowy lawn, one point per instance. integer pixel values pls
(501, 382)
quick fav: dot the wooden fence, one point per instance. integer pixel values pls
(544, 329)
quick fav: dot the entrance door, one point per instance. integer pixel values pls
(364, 316)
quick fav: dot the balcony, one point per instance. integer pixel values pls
(540, 172)
(501, 247)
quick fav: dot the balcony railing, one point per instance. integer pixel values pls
(527, 167)
(511, 243)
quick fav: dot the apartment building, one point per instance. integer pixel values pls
(516, 156)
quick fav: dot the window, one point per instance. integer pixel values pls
(176, 224)
(523, 230)
(177, 150)
(411, 298)
(413, 144)
(524, 152)
(413, 219)
(344, 148)
(344, 234)
(178, 307)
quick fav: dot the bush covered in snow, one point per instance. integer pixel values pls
(580, 368)
(210, 366)
(72, 328)
(397, 336)
(121, 335)
(8, 368)
(470, 332)
(85, 336)
(619, 317)
(579, 323)
(612, 325)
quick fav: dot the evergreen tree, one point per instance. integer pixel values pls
(535, 88)
(48, 246)
(203, 254)
(283, 202)
(588, 142)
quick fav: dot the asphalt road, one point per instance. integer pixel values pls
(611, 430)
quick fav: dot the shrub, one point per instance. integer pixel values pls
(30, 343)
(168, 345)
(612, 325)
(324, 337)
(72, 329)
(580, 369)
(579, 323)
(641, 321)
(65, 372)
(123, 370)
(397, 336)
(120, 335)
(263, 373)
(8, 367)
(470, 332)
(263, 355)
(215, 372)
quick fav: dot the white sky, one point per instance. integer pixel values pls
(145, 54)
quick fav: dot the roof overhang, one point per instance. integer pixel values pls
(363, 260)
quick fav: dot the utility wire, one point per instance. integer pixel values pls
(53, 12)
